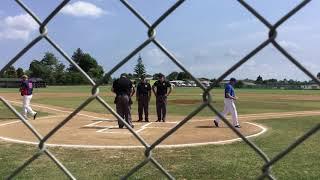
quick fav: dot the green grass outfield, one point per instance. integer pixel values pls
(233, 161)
(184, 100)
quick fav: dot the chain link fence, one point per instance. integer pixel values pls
(151, 38)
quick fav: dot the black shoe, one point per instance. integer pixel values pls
(132, 125)
(163, 120)
(158, 120)
(35, 116)
(147, 120)
(139, 120)
(216, 123)
(237, 126)
(120, 127)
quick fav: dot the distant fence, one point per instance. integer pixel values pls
(207, 98)
(16, 83)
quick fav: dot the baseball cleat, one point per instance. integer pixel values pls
(215, 123)
(35, 116)
(237, 126)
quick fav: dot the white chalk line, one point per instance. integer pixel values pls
(262, 116)
(58, 110)
(106, 128)
(93, 124)
(14, 122)
(143, 127)
(263, 130)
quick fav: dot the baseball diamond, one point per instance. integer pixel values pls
(93, 130)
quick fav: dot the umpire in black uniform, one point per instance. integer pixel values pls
(124, 91)
(161, 94)
(143, 98)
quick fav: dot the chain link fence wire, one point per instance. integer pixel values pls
(151, 38)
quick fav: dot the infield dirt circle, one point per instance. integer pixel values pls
(94, 130)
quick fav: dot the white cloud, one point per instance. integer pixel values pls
(21, 22)
(82, 9)
(14, 34)
(156, 57)
(289, 45)
(295, 28)
(241, 23)
(232, 53)
(17, 27)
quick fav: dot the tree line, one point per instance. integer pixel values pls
(54, 72)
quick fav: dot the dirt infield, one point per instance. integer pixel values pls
(94, 130)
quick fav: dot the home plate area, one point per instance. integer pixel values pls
(110, 126)
(86, 131)
(195, 132)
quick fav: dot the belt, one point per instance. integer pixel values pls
(122, 95)
(143, 95)
(160, 95)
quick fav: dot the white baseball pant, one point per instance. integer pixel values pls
(26, 108)
(229, 107)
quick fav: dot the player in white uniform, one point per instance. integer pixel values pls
(229, 105)
(26, 92)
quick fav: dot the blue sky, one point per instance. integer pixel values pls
(206, 36)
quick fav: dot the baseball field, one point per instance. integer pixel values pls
(92, 147)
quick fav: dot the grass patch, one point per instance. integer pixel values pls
(234, 161)
(6, 114)
(184, 100)
(182, 103)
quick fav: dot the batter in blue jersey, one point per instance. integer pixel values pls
(229, 104)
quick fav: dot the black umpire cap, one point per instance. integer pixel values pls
(233, 80)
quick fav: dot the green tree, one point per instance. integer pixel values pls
(139, 69)
(76, 57)
(183, 76)
(239, 84)
(50, 63)
(10, 72)
(259, 80)
(60, 74)
(173, 76)
(19, 72)
(87, 63)
(107, 79)
(49, 69)
(318, 75)
(36, 69)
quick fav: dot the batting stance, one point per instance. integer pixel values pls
(143, 98)
(26, 90)
(161, 94)
(124, 90)
(229, 105)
